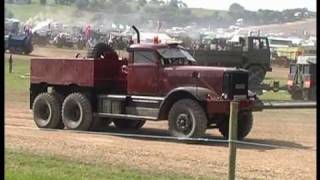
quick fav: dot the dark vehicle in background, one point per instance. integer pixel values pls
(20, 44)
(64, 40)
(302, 78)
(156, 82)
(41, 38)
(251, 53)
(11, 26)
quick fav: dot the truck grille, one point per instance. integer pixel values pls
(235, 84)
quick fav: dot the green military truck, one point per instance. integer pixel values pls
(251, 53)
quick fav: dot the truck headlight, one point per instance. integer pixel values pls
(225, 96)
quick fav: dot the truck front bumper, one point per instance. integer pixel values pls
(223, 106)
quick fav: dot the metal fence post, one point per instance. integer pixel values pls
(233, 127)
(10, 63)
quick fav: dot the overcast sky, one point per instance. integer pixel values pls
(253, 4)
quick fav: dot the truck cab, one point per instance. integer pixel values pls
(149, 65)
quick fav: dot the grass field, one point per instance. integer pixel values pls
(25, 11)
(20, 165)
(18, 80)
(61, 13)
(68, 14)
(280, 95)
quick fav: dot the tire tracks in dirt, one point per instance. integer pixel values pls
(163, 156)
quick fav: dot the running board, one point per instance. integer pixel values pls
(126, 116)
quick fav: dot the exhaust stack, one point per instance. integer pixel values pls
(138, 33)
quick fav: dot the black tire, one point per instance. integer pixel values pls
(256, 76)
(297, 95)
(312, 94)
(128, 124)
(100, 124)
(187, 119)
(47, 111)
(97, 51)
(245, 122)
(28, 50)
(60, 98)
(77, 112)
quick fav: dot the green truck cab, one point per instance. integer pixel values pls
(251, 53)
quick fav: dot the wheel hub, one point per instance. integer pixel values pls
(183, 122)
(45, 113)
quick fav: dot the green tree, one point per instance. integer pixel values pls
(236, 8)
(82, 4)
(43, 2)
(142, 3)
(8, 13)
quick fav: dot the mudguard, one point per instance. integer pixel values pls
(198, 93)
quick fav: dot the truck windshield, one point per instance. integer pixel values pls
(175, 56)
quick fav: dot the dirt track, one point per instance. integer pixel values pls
(293, 128)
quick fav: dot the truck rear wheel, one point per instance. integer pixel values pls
(245, 121)
(77, 112)
(97, 51)
(47, 111)
(128, 124)
(187, 119)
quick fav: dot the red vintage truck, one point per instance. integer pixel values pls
(156, 82)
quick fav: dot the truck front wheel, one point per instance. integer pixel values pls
(77, 112)
(187, 119)
(245, 121)
(128, 124)
(47, 111)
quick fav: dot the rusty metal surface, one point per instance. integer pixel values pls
(81, 72)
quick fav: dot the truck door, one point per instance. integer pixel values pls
(259, 51)
(143, 73)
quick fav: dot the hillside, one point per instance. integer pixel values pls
(309, 25)
(67, 14)
(200, 12)
(70, 14)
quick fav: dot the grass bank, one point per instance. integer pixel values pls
(18, 81)
(27, 166)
